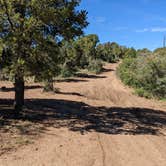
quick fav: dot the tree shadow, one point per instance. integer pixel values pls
(9, 89)
(83, 76)
(80, 117)
(70, 93)
(104, 70)
(91, 76)
(70, 80)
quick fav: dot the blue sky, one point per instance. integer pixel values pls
(133, 23)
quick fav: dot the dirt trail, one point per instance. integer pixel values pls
(108, 126)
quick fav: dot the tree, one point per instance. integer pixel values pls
(160, 51)
(86, 49)
(143, 52)
(109, 52)
(130, 53)
(78, 53)
(68, 58)
(29, 28)
(48, 68)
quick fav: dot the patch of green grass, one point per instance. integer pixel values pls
(163, 99)
(142, 93)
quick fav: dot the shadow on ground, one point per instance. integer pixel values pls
(70, 80)
(80, 77)
(9, 89)
(90, 76)
(70, 93)
(80, 117)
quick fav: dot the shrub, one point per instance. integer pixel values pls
(95, 66)
(67, 70)
(142, 93)
(145, 73)
(126, 71)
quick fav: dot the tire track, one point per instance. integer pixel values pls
(102, 149)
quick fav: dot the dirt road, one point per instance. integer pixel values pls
(93, 121)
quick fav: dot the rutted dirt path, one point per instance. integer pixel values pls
(106, 125)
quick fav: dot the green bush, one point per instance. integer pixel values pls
(126, 71)
(142, 93)
(145, 73)
(95, 66)
(110, 52)
(67, 70)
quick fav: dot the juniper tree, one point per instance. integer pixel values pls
(29, 28)
(110, 52)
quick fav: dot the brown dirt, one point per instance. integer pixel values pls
(93, 121)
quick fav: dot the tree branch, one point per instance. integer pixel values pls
(8, 15)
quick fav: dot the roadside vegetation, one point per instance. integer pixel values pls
(146, 72)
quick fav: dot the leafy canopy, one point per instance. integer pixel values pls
(31, 28)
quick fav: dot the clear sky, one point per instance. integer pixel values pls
(133, 23)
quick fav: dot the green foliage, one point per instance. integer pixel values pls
(31, 31)
(160, 51)
(67, 71)
(68, 58)
(130, 53)
(143, 93)
(145, 73)
(44, 64)
(78, 54)
(126, 71)
(143, 52)
(95, 66)
(109, 52)
(86, 50)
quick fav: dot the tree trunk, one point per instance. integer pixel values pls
(19, 94)
(49, 86)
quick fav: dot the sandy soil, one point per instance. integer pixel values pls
(93, 121)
